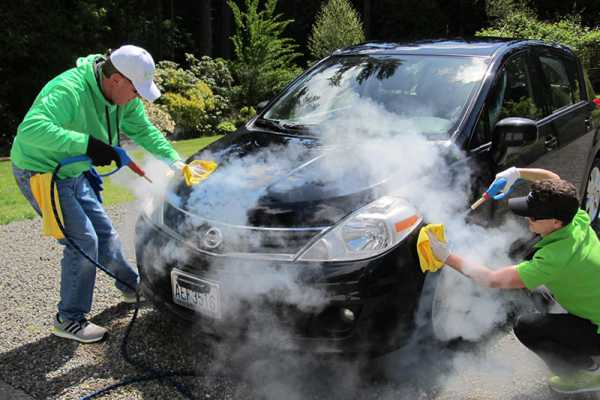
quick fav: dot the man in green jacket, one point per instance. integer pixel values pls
(567, 262)
(83, 111)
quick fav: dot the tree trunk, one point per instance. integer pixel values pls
(205, 29)
(367, 18)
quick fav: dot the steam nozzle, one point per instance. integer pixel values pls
(126, 160)
(479, 202)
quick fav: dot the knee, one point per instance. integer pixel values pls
(526, 328)
(86, 241)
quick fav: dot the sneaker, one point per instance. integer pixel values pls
(82, 331)
(580, 381)
(129, 297)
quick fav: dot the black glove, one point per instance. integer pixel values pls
(101, 153)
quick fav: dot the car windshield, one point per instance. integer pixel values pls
(429, 94)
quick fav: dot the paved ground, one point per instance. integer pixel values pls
(36, 364)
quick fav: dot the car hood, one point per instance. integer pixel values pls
(273, 180)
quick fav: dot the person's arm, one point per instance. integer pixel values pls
(503, 278)
(513, 174)
(536, 174)
(138, 127)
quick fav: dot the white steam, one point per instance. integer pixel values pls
(384, 147)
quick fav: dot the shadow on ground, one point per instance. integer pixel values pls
(56, 368)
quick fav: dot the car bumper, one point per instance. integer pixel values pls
(381, 295)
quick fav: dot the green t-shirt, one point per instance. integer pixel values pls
(567, 262)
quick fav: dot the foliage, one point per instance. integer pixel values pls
(215, 72)
(226, 127)
(188, 97)
(568, 31)
(503, 8)
(160, 117)
(196, 111)
(337, 25)
(170, 77)
(264, 60)
(242, 116)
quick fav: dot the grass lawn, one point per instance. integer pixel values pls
(14, 207)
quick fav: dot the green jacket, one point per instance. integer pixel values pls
(69, 109)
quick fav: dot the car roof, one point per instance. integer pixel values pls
(480, 47)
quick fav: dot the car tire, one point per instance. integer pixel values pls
(591, 197)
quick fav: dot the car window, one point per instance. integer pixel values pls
(413, 93)
(511, 96)
(561, 77)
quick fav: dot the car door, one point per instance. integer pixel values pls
(513, 94)
(567, 130)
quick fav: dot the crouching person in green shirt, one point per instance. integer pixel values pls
(83, 111)
(567, 262)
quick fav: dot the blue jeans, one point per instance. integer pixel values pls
(88, 225)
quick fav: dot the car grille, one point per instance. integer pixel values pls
(224, 238)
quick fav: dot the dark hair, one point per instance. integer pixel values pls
(108, 69)
(557, 192)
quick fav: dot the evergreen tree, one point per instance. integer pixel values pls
(264, 60)
(337, 25)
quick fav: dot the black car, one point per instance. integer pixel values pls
(270, 242)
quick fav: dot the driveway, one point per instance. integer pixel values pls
(35, 363)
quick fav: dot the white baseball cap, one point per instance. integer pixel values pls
(137, 65)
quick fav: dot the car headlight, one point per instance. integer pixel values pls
(367, 232)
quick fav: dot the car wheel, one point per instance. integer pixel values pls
(591, 200)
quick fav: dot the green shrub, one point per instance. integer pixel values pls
(196, 112)
(190, 101)
(170, 77)
(215, 72)
(337, 25)
(160, 117)
(264, 60)
(226, 127)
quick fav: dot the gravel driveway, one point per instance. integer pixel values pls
(44, 366)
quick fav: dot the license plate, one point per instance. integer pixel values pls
(196, 294)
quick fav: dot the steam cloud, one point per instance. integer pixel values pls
(413, 166)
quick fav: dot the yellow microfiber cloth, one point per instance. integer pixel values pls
(197, 171)
(426, 258)
(40, 188)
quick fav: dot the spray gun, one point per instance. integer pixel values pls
(124, 160)
(492, 192)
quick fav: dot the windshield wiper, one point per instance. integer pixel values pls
(282, 126)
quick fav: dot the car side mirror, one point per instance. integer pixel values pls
(260, 106)
(516, 131)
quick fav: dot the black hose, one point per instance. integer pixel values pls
(155, 374)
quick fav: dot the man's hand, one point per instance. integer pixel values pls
(511, 175)
(439, 249)
(102, 153)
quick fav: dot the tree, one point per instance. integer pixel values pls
(264, 60)
(337, 25)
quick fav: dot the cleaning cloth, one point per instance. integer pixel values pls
(197, 171)
(427, 260)
(40, 188)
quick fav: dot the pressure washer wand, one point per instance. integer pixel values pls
(126, 160)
